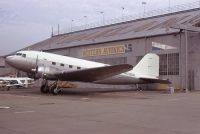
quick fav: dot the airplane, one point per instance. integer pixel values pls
(54, 67)
(8, 82)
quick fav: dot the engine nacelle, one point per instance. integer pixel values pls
(46, 72)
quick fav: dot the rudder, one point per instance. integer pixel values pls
(147, 67)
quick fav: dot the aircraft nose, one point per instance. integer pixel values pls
(9, 59)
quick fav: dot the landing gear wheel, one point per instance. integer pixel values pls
(55, 91)
(8, 88)
(44, 89)
(139, 89)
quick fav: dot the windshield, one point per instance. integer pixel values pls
(19, 54)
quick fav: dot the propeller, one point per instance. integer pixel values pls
(35, 70)
(39, 70)
(42, 71)
(36, 65)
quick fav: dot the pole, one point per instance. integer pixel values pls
(52, 32)
(180, 55)
(122, 14)
(102, 17)
(85, 19)
(72, 24)
(167, 63)
(144, 4)
(186, 60)
(199, 3)
(169, 5)
(58, 29)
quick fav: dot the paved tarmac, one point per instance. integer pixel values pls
(81, 111)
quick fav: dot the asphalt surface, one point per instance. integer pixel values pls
(93, 111)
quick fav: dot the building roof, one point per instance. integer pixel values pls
(146, 27)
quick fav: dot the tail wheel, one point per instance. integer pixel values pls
(44, 89)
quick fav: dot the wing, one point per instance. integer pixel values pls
(93, 74)
(161, 81)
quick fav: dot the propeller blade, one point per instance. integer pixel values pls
(36, 65)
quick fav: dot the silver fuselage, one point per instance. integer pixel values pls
(28, 64)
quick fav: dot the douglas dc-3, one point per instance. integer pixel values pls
(48, 66)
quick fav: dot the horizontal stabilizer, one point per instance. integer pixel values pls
(93, 74)
(161, 81)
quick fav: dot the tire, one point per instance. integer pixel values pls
(139, 89)
(8, 88)
(44, 89)
(55, 91)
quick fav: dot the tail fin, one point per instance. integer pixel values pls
(147, 67)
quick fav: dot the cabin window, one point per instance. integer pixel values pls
(78, 67)
(24, 55)
(70, 66)
(22, 81)
(62, 65)
(53, 63)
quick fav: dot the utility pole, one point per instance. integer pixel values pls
(122, 13)
(169, 6)
(58, 29)
(85, 18)
(52, 32)
(72, 25)
(103, 18)
(85, 23)
(199, 3)
(144, 6)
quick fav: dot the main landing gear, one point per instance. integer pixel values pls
(52, 88)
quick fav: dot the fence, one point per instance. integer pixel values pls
(147, 14)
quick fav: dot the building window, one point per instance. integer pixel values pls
(78, 67)
(62, 65)
(173, 62)
(70, 66)
(168, 63)
(53, 63)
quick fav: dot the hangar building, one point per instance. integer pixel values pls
(174, 37)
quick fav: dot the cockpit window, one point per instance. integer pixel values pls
(19, 54)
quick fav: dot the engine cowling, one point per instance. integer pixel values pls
(46, 72)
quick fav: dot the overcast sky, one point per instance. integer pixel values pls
(25, 22)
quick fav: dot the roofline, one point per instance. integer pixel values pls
(164, 34)
(114, 40)
(141, 19)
